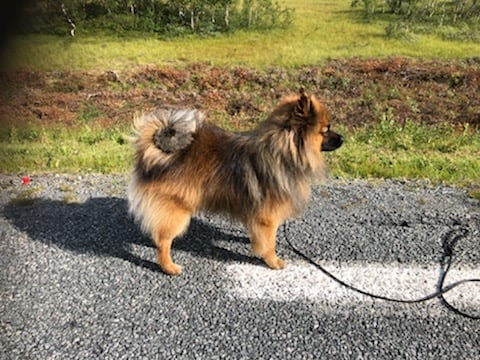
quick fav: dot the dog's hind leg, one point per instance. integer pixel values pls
(263, 233)
(167, 228)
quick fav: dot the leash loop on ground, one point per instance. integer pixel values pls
(449, 242)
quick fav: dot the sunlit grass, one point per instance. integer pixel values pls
(32, 149)
(322, 29)
(383, 150)
(388, 149)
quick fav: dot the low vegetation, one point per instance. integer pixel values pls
(32, 149)
(451, 19)
(165, 18)
(320, 30)
(411, 151)
(26, 197)
(66, 102)
(401, 118)
(384, 150)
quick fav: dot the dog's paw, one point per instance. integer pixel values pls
(172, 269)
(275, 263)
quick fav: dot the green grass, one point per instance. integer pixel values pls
(474, 194)
(65, 150)
(26, 197)
(322, 29)
(410, 151)
(384, 150)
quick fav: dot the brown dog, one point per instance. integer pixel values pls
(185, 165)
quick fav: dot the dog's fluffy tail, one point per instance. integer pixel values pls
(162, 133)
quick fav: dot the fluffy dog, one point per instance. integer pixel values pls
(186, 165)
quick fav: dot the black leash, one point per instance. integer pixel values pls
(449, 242)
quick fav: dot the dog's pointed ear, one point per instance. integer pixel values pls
(304, 107)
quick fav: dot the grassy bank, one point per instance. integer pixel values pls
(383, 150)
(321, 30)
(402, 118)
(68, 106)
(410, 151)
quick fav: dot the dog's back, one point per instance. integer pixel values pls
(203, 166)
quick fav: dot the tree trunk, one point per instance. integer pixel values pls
(227, 16)
(192, 20)
(69, 20)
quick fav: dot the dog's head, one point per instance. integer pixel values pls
(311, 115)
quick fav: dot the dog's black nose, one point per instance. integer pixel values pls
(332, 142)
(340, 140)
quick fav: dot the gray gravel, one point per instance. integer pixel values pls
(78, 279)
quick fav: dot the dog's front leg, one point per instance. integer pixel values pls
(263, 233)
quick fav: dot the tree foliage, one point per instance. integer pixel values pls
(158, 16)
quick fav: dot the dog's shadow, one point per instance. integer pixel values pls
(103, 227)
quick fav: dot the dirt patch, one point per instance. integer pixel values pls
(356, 91)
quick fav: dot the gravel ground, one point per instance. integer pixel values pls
(79, 281)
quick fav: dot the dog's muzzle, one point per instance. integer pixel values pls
(332, 141)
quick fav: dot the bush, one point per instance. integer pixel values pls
(163, 17)
(432, 11)
(460, 17)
